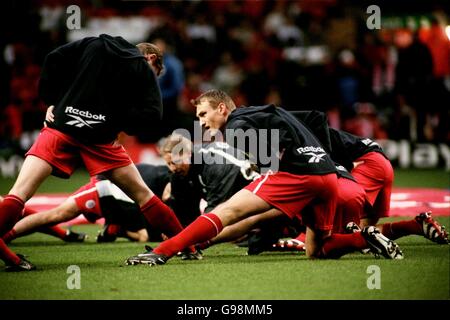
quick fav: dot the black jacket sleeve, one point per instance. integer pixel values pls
(185, 198)
(221, 183)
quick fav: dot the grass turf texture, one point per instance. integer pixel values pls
(432, 178)
(224, 273)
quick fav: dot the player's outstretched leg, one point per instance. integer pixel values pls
(203, 228)
(431, 228)
(23, 265)
(423, 225)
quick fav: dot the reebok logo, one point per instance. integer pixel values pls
(316, 153)
(81, 117)
(310, 149)
(370, 143)
(315, 158)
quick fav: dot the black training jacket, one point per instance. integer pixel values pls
(99, 87)
(220, 170)
(347, 147)
(344, 147)
(300, 152)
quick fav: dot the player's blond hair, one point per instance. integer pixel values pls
(150, 48)
(175, 142)
(215, 97)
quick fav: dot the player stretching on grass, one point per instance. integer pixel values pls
(214, 182)
(372, 170)
(97, 199)
(306, 177)
(99, 87)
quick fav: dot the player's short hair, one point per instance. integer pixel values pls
(175, 142)
(150, 48)
(215, 97)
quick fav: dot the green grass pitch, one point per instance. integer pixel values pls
(226, 272)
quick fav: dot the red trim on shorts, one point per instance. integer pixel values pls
(88, 201)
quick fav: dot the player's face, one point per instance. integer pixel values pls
(210, 118)
(151, 60)
(178, 163)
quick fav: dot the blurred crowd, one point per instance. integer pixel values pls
(388, 83)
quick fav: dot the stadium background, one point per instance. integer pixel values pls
(391, 84)
(388, 83)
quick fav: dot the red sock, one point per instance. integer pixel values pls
(9, 236)
(395, 230)
(7, 255)
(10, 212)
(203, 228)
(204, 245)
(53, 231)
(301, 237)
(161, 217)
(113, 229)
(338, 245)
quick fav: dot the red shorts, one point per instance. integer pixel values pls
(350, 204)
(87, 200)
(65, 154)
(290, 193)
(376, 176)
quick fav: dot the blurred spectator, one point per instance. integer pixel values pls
(195, 85)
(413, 84)
(193, 88)
(202, 36)
(299, 54)
(289, 35)
(438, 43)
(171, 83)
(228, 75)
(366, 122)
(348, 80)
